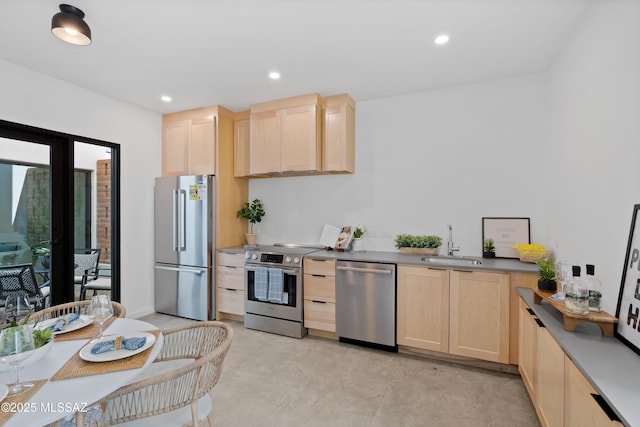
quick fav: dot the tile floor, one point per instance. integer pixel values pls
(271, 380)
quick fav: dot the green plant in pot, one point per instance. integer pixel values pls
(418, 244)
(547, 275)
(488, 248)
(252, 212)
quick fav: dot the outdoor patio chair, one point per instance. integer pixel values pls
(86, 270)
(17, 279)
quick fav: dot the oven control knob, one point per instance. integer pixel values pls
(296, 260)
(288, 259)
(254, 256)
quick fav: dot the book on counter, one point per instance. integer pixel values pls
(336, 238)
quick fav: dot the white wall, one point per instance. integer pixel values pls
(37, 100)
(423, 161)
(595, 136)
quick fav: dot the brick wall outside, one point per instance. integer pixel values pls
(103, 217)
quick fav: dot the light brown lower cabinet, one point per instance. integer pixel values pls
(584, 407)
(423, 308)
(479, 315)
(549, 380)
(230, 283)
(320, 294)
(561, 394)
(460, 312)
(527, 348)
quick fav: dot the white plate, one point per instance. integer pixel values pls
(4, 390)
(85, 353)
(82, 321)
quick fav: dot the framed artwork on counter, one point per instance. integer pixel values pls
(628, 310)
(506, 232)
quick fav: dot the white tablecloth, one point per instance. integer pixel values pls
(57, 399)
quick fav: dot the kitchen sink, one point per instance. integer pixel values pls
(451, 260)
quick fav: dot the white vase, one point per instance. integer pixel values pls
(357, 245)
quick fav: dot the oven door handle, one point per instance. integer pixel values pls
(284, 270)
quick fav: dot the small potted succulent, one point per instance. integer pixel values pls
(418, 244)
(358, 232)
(488, 248)
(547, 276)
(252, 212)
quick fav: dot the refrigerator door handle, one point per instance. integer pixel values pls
(175, 221)
(186, 270)
(182, 223)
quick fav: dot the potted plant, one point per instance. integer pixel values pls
(252, 212)
(488, 248)
(418, 244)
(547, 276)
(41, 249)
(358, 232)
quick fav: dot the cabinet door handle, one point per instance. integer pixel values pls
(464, 271)
(605, 407)
(318, 275)
(539, 322)
(531, 312)
(318, 260)
(437, 269)
(318, 302)
(229, 289)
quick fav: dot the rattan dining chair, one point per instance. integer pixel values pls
(80, 307)
(202, 345)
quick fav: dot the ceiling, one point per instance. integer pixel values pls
(219, 52)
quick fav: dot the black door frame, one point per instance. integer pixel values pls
(61, 194)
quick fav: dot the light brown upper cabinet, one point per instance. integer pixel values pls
(285, 135)
(201, 142)
(339, 135)
(301, 135)
(189, 143)
(241, 144)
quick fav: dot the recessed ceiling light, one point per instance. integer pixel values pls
(441, 39)
(274, 75)
(166, 98)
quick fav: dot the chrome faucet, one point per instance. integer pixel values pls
(450, 247)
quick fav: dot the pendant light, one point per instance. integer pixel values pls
(68, 25)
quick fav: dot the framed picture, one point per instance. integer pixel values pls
(628, 310)
(506, 232)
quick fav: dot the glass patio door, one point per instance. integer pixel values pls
(55, 200)
(25, 206)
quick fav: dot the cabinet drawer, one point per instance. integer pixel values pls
(323, 267)
(320, 288)
(231, 259)
(230, 301)
(318, 315)
(230, 277)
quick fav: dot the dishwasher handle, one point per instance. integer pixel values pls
(364, 270)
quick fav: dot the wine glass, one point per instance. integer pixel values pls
(17, 308)
(16, 345)
(100, 309)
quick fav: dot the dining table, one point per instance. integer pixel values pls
(59, 398)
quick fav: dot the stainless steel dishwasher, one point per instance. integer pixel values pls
(366, 303)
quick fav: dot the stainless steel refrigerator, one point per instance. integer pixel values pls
(184, 246)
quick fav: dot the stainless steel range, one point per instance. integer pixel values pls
(273, 289)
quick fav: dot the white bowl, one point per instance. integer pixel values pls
(38, 354)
